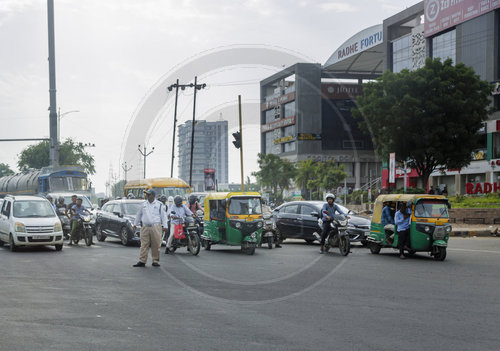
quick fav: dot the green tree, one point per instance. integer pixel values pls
(5, 170)
(70, 153)
(306, 171)
(274, 173)
(428, 117)
(331, 175)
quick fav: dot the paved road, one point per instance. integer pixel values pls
(282, 299)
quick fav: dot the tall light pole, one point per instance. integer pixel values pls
(183, 87)
(126, 169)
(54, 147)
(196, 87)
(145, 154)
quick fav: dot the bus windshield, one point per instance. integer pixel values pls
(245, 206)
(68, 184)
(170, 191)
(431, 208)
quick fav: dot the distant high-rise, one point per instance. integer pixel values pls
(210, 152)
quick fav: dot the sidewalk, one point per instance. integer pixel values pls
(471, 230)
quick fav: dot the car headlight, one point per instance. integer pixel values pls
(259, 224)
(58, 227)
(20, 228)
(238, 225)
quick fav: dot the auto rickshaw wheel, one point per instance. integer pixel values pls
(250, 250)
(374, 248)
(440, 254)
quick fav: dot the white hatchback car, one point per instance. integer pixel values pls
(29, 221)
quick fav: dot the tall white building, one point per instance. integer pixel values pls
(210, 152)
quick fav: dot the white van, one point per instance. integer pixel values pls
(29, 221)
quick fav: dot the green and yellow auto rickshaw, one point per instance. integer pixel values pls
(234, 219)
(430, 228)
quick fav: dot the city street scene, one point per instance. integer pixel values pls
(263, 175)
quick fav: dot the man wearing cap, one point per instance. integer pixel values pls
(152, 217)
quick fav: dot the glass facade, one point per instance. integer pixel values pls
(401, 54)
(445, 46)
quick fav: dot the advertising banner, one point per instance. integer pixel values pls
(392, 167)
(443, 14)
(209, 179)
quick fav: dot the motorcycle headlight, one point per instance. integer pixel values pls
(238, 225)
(20, 228)
(58, 227)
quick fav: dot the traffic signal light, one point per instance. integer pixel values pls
(237, 140)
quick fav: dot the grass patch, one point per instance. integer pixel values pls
(476, 201)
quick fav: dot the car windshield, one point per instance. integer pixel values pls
(33, 208)
(431, 208)
(245, 205)
(131, 209)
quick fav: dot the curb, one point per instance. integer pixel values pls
(471, 233)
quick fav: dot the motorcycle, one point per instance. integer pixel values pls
(337, 234)
(85, 229)
(269, 232)
(186, 234)
(199, 223)
(65, 222)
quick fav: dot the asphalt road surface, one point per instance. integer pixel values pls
(91, 298)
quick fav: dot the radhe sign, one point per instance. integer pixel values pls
(482, 188)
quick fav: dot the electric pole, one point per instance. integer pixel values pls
(241, 145)
(145, 154)
(53, 125)
(126, 169)
(196, 87)
(183, 87)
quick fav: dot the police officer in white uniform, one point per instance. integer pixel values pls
(152, 218)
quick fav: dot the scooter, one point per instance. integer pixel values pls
(269, 233)
(337, 234)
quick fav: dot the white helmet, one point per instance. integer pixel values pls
(330, 195)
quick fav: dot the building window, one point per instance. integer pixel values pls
(290, 146)
(401, 54)
(445, 46)
(289, 109)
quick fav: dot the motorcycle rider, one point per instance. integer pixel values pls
(267, 209)
(51, 201)
(328, 211)
(60, 203)
(177, 213)
(76, 210)
(194, 205)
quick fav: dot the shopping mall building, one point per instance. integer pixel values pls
(305, 109)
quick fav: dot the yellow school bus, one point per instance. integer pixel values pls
(162, 186)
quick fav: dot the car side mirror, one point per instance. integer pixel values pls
(315, 214)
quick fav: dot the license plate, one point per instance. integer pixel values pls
(249, 219)
(41, 237)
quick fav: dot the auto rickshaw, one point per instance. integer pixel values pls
(430, 228)
(234, 219)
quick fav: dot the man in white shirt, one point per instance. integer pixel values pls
(151, 217)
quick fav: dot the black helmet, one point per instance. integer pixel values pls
(192, 199)
(61, 199)
(178, 200)
(163, 198)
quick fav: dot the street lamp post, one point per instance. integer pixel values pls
(145, 154)
(59, 117)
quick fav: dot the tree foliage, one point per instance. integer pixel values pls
(5, 170)
(313, 177)
(275, 173)
(70, 153)
(428, 117)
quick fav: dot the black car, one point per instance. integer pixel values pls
(299, 220)
(116, 219)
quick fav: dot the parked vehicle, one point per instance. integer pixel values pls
(294, 220)
(29, 221)
(186, 235)
(430, 228)
(116, 219)
(337, 235)
(233, 218)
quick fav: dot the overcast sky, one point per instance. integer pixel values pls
(110, 53)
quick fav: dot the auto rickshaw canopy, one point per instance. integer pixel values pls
(379, 201)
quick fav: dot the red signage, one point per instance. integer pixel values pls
(279, 123)
(341, 91)
(482, 188)
(443, 14)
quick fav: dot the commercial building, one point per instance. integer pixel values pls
(210, 153)
(303, 116)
